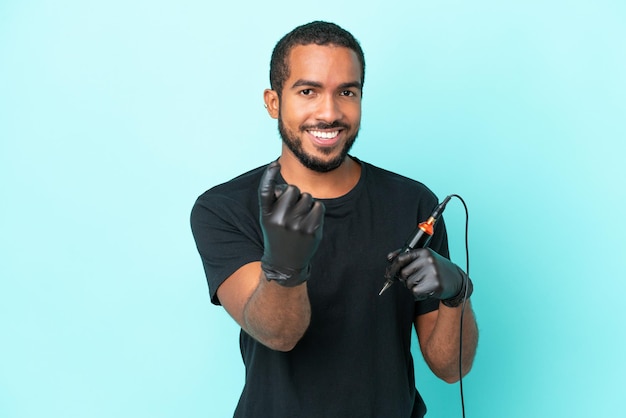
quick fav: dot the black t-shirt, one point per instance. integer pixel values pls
(355, 358)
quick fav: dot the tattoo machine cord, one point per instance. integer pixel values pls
(467, 272)
(420, 239)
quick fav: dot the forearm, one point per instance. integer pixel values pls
(277, 316)
(441, 350)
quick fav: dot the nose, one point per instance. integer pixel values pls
(329, 109)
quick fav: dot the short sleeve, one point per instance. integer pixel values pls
(227, 236)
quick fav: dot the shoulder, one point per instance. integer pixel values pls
(238, 188)
(231, 201)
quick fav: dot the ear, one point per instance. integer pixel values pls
(272, 102)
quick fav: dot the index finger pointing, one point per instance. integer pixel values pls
(267, 186)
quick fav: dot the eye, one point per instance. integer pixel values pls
(306, 92)
(348, 93)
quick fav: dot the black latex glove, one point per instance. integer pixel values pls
(292, 229)
(428, 275)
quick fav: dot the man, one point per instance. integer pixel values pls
(296, 252)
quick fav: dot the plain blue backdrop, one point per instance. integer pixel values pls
(116, 115)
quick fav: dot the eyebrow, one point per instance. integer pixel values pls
(309, 83)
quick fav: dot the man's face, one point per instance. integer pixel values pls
(319, 112)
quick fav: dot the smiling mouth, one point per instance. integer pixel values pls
(324, 134)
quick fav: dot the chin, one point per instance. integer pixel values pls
(322, 165)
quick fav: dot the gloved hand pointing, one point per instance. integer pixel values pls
(428, 275)
(292, 225)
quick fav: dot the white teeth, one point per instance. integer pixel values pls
(324, 135)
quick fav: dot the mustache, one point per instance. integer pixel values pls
(322, 126)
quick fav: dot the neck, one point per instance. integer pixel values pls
(332, 184)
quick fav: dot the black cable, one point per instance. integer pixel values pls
(420, 239)
(464, 302)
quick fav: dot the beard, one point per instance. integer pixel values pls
(311, 162)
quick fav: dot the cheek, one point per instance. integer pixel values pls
(355, 116)
(352, 108)
(293, 119)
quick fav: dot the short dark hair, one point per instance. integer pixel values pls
(319, 33)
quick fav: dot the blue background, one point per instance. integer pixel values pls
(115, 115)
